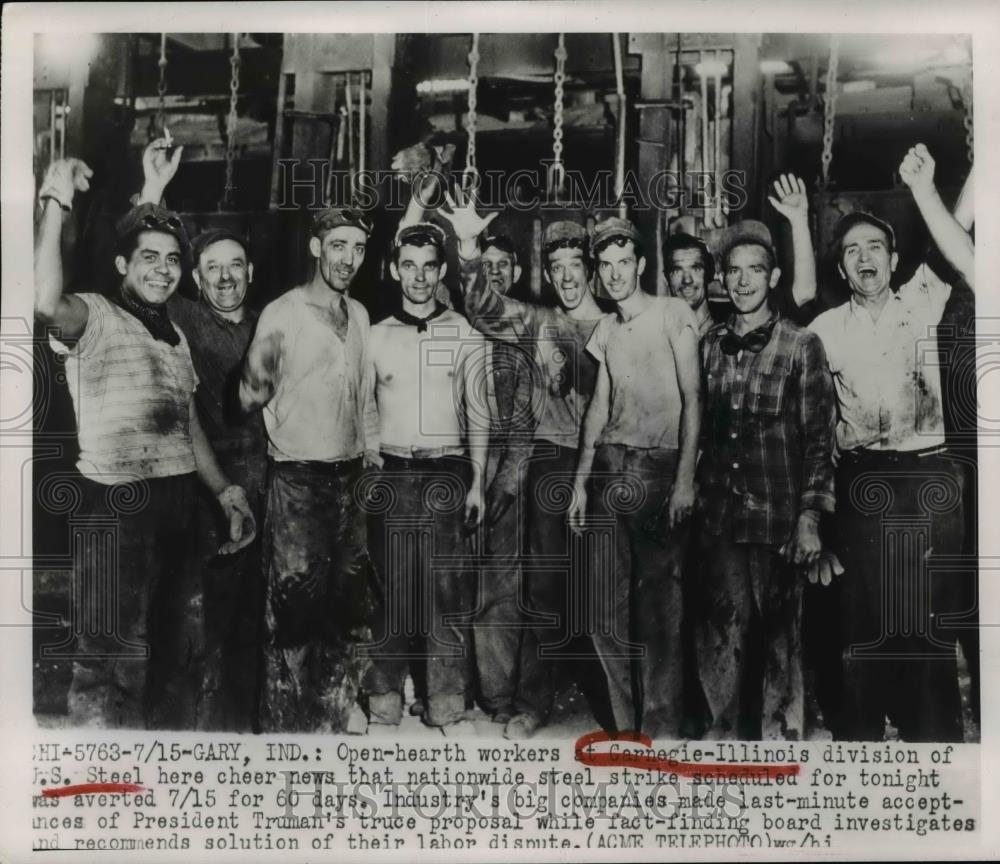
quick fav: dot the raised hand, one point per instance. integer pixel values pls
(917, 169)
(63, 179)
(159, 168)
(464, 219)
(790, 198)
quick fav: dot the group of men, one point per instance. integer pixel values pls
(477, 499)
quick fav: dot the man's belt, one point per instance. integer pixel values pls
(865, 454)
(327, 469)
(421, 452)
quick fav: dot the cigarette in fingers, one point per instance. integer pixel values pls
(166, 134)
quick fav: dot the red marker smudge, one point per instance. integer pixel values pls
(91, 789)
(651, 762)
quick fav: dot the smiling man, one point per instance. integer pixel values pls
(308, 367)
(427, 380)
(882, 350)
(133, 383)
(640, 433)
(563, 376)
(765, 477)
(219, 326)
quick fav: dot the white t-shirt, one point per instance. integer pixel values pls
(645, 408)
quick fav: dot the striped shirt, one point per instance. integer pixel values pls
(767, 434)
(131, 396)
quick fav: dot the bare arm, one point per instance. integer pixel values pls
(262, 365)
(917, 172)
(158, 170)
(685, 346)
(369, 406)
(68, 314)
(232, 499)
(594, 421)
(790, 199)
(477, 424)
(208, 466)
(965, 207)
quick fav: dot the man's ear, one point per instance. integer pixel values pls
(517, 273)
(121, 265)
(315, 247)
(775, 276)
(545, 276)
(249, 273)
(444, 269)
(394, 270)
(641, 266)
(843, 275)
(196, 276)
(893, 261)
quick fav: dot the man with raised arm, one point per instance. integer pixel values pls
(893, 465)
(219, 326)
(133, 386)
(556, 337)
(509, 382)
(765, 477)
(689, 265)
(640, 441)
(950, 235)
(427, 381)
(308, 368)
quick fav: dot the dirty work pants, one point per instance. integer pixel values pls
(747, 614)
(498, 626)
(427, 593)
(896, 513)
(138, 618)
(638, 608)
(234, 603)
(318, 596)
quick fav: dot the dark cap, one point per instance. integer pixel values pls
(564, 231)
(421, 234)
(745, 232)
(214, 235)
(152, 217)
(613, 228)
(498, 240)
(860, 217)
(337, 217)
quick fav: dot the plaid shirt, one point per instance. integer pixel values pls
(767, 434)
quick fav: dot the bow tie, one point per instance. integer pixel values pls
(754, 341)
(420, 323)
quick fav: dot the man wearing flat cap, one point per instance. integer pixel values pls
(132, 382)
(765, 478)
(218, 327)
(308, 368)
(555, 336)
(427, 378)
(640, 442)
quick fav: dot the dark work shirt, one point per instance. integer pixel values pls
(218, 347)
(767, 434)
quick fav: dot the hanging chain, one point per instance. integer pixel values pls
(161, 87)
(830, 108)
(231, 120)
(471, 172)
(967, 120)
(557, 176)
